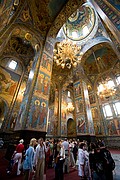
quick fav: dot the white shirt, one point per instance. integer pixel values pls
(66, 145)
(81, 161)
(62, 153)
(40, 152)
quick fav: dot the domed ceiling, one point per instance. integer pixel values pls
(42, 14)
(95, 61)
(80, 24)
(99, 59)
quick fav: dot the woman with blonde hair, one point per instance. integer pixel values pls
(29, 159)
(40, 160)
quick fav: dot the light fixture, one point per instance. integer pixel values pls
(70, 107)
(67, 53)
(106, 89)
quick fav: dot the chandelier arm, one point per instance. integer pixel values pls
(67, 53)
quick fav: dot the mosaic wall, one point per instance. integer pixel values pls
(80, 112)
(81, 124)
(88, 110)
(39, 106)
(8, 84)
(112, 15)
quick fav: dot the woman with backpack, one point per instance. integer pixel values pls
(96, 163)
(108, 161)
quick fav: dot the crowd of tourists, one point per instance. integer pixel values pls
(92, 161)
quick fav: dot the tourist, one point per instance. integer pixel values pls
(66, 164)
(60, 159)
(40, 160)
(75, 151)
(50, 164)
(1, 143)
(28, 162)
(47, 159)
(87, 170)
(81, 160)
(72, 160)
(96, 163)
(108, 161)
(18, 154)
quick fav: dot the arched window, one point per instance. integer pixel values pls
(116, 107)
(12, 64)
(118, 79)
(68, 93)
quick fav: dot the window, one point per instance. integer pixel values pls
(12, 64)
(107, 111)
(118, 80)
(85, 30)
(110, 84)
(116, 107)
(31, 74)
(68, 93)
(74, 35)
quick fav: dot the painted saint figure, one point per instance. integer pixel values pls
(43, 114)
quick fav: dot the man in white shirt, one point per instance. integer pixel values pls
(65, 143)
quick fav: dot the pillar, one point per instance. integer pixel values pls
(32, 117)
(59, 109)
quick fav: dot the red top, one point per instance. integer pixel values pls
(20, 148)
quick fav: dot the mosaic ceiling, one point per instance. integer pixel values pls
(98, 60)
(80, 23)
(41, 15)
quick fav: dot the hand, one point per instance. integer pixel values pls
(33, 172)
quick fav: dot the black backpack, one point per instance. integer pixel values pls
(109, 160)
(99, 163)
(99, 167)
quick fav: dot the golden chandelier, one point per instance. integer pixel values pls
(107, 87)
(70, 107)
(105, 90)
(67, 54)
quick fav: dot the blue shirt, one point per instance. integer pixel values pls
(28, 162)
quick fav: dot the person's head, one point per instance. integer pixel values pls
(97, 149)
(47, 144)
(82, 145)
(40, 141)
(60, 144)
(92, 146)
(33, 142)
(101, 144)
(21, 141)
(65, 139)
